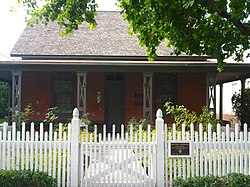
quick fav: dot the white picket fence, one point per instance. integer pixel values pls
(39, 151)
(122, 159)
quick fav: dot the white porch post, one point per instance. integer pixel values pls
(75, 132)
(159, 123)
(16, 90)
(211, 94)
(147, 96)
(81, 91)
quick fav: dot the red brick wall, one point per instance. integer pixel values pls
(191, 90)
(36, 90)
(133, 85)
(95, 83)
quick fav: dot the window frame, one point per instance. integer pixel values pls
(67, 77)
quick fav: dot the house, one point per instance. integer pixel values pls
(105, 73)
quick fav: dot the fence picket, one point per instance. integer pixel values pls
(8, 149)
(223, 153)
(27, 150)
(17, 152)
(64, 160)
(233, 153)
(13, 145)
(59, 155)
(245, 150)
(36, 151)
(206, 152)
(241, 152)
(201, 148)
(46, 152)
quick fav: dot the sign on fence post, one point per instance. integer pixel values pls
(75, 134)
(159, 122)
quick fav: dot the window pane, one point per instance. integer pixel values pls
(165, 88)
(63, 92)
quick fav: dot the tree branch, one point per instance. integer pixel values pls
(237, 23)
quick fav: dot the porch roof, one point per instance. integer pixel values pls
(233, 71)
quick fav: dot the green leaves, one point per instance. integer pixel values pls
(231, 179)
(191, 27)
(68, 14)
(187, 3)
(182, 115)
(26, 178)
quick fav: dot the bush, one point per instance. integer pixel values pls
(25, 178)
(241, 106)
(182, 115)
(3, 99)
(232, 179)
(135, 123)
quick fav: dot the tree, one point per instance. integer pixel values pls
(69, 14)
(3, 99)
(218, 28)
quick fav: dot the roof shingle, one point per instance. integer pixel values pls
(109, 38)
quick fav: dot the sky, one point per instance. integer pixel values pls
(13, 23)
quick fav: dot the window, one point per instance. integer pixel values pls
(63, 95)
(165, 89)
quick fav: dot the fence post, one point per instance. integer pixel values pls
(75, 136)
(159, 122)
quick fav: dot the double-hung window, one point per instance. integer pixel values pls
(63, 92)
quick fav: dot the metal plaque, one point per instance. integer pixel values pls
(179, 148)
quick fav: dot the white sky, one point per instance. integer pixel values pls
(13, 23)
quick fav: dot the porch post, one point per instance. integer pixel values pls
(16, 91)
(243, 117)
(147, 96)
(221, 102)
(211, 94)
(81, 91)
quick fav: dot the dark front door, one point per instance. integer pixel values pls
(114, 105)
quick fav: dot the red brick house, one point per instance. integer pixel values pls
(105, 73)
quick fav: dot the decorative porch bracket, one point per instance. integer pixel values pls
(16, 91)
(211, 94)
(81, 91)
(147, 96)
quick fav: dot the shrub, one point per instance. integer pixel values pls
(232, 179)
(3, 99)
(85, 119)
(21, 116)
(241, 106)
(25, 178)
(51, 115)
(182, 115)
(135, 123)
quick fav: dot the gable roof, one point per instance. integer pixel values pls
(109, 39)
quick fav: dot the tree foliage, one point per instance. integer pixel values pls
(3, 99)
(218, 28)
(241, 105)
(69, 14)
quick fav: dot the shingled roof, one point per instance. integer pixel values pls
(109, 38)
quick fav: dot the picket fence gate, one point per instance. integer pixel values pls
(138, 158)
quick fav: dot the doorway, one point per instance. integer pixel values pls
(114, 101)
